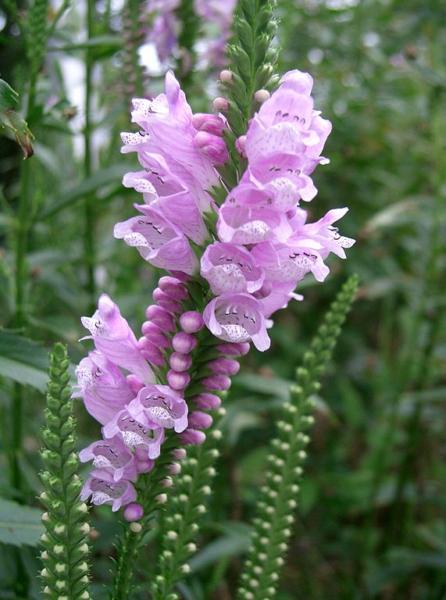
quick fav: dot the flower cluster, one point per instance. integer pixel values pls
(117, 384)
(216, 18)
(246, 268)
(266, 245)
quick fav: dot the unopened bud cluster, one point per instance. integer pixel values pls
(277, 503)
(65, 554)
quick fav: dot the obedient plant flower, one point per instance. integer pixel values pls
(114, 338)
(229, 267)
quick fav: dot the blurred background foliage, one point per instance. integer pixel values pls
(372, 519)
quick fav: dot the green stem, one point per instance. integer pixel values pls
(186, 41)
(272, 527)
(23, 226)
(183, 513)
(89, 206)
(132, 537)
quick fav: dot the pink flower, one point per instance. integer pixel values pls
(159, 406)
(134, 434)
(230, 268)
(243, 225)
(237, 318)
(158, 241)
(113, 337)
(161, 189)
(112, 455)
(104, 490)
(168, 131)
(102, 386)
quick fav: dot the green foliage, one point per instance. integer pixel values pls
(23, 360)
(65, 553)
(19, 525)
(275, 507)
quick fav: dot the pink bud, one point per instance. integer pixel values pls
(180, 362)
(174, 287)
(207, 401)
(213, 146)
(240, 144)
(164, 300)
(154, 334)
(199, 420)
(178, 381)
(224, 366)
(144, 466)
(193, 437)
(261, 96)
(152, 353)
(217, 382)
(161, 317)
(234, 349)
(220, 104)
(208, 122)
(134, 383)
(183, 342)
(226, 76)
(133, 512)
(191, 321)
(179, 453)
(174, 468)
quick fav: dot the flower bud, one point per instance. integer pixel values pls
(240, 144)
(165, 301)
(154, 334)
(191, 321)
(161, 317)
(261, 96)
(173, 287)
(192, 437)
(178, 381)
(207, 401)
(226, 76)
(133, 512)
(220, 104)
(200, 420)
(180, 362)
(217, 382)
(224, 366)
(151, 352)
(183, 342)
(208, 122)
(234, 349)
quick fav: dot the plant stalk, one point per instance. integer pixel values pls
(89, 207)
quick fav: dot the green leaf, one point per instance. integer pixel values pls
(11, 121)
(23, 360)
(233, 543)
(19, 525)
(9, 98)
(108, 176)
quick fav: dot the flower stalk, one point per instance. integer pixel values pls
(274, 520)
(65, 541)
(184, 510)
